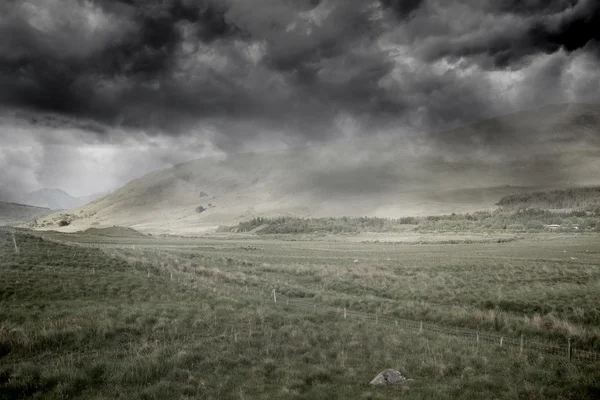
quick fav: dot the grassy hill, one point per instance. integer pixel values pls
(572, 198)
(15, 214)
(458, 171)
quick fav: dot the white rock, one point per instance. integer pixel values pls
(388, 377)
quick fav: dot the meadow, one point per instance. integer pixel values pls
(154, 318)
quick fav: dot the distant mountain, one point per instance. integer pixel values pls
(461, 170)
(56, 199)
(52, 198)
(16, 214)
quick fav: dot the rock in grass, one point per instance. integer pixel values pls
(388, 377)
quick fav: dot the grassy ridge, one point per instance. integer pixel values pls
(523, 212)
(575, 198)
(527, 220)
(78, 323)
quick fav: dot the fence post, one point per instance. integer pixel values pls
(501, 340)
(344, 312)
(521, 349)
(148, 274)
(15, 242)
(478, 339)
(171, 275)
(421, 327)
(569, 349)
(376, 318)
(274, 296)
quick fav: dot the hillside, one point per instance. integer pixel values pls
(14, 213)
(55, 199)
(575, 198)
(457, 171)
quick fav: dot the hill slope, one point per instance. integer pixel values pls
(14, 213)
(576, 198)
(55, 199)
(461, 170)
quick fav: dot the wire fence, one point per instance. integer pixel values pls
(568, 351)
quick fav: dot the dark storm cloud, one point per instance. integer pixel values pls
(403, 8)
(501, 34)
(130, 70)
(43, 72)
(578, 28)
(531, 7)
(283, 66)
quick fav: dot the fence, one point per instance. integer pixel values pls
(567, 350)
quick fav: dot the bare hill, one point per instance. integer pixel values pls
(15, 214)
(55, 199)
(457, 171)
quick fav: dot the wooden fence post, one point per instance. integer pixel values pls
(421, 327)
(501, 340)
(569, 350)
(274, 296)
(15, 242)
(521, 349)
(345, 313)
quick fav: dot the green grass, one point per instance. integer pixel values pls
(510, 220)
(578, 198)
(87, 323)
(545, 288)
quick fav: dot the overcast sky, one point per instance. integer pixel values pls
(94, 93)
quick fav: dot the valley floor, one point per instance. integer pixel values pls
(92, 316)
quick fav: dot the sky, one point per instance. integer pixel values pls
(94, 93)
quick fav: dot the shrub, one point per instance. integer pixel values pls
(535, 225)
(64, 222)
(200, 209)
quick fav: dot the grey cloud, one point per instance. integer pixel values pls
(403, 8)
(504, 34)
(250, 69)
(142, 77)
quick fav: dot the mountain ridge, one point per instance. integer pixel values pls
(53, 198)
(14, 213)
(381, 176)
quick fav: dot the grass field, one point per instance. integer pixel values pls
(163, 318)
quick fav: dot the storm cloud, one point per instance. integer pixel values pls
(232, 75)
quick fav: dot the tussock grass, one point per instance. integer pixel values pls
(88, 323)
(506, 288)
